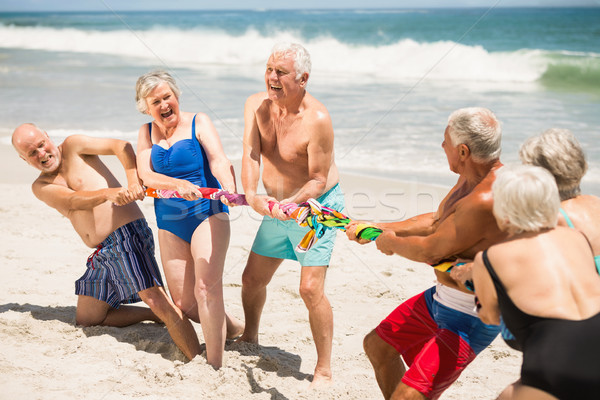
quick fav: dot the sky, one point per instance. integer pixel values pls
(121, 5)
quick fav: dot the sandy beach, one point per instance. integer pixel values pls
(43, 355)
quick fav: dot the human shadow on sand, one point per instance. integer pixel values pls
(270, 359)
(150, 337)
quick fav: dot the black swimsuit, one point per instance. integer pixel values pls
(561, 357)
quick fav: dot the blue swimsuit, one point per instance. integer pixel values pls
(185, 159)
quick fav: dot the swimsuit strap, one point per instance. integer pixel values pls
(490, 269)
(564, 214)
(194, 129)
(570, 224)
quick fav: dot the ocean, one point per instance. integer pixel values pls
(389, 78)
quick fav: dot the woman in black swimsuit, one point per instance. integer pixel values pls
(543, 282)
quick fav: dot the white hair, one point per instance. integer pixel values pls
(148, 82)
(302, 63)
(559, 152)
(525, 198)
(479, 129)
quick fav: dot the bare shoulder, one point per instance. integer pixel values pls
(201, 118)
(480, 199)
(256, 100)
(73, 142)
(585, 200)
(316, 109)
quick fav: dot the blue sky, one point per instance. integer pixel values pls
(102, 5)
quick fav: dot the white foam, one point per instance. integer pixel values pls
(403, 60)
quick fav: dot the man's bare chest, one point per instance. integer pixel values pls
(83, 173)
(290, 146)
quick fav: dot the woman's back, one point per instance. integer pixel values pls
(549, 274)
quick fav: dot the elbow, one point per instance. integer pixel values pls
(124, 147)
(488, 318)
(431, 260)
(143, 178)
(430, 255)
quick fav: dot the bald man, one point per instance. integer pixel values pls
(122, 269)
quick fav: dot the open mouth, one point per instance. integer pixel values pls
(273, 87)
(167, 114)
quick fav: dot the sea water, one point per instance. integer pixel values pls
(390, 78)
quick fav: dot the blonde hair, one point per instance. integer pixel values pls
(148, 82)
(479, 129)
(525, 198)
(559, 152)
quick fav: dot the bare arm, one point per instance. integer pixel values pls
(455, 235)
(251, 155)
(66, 200)
(489, 312)
(86, 145)
(220, 165)
(420, 225)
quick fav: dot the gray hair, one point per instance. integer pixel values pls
(148, 82)
(302, 63)
(479, 129)
(559, 152)
(525, 198)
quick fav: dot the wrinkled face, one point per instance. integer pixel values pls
(163, 105)
(35, 147)
(451, 151)
(280, 77)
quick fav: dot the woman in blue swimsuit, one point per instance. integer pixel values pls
(182, 151)
(543, 282)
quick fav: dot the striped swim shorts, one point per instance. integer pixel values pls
(121, 266)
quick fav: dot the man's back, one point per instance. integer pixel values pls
(470, 212)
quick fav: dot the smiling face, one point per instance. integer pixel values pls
(280, 77)
(35, 147)
(163, 105)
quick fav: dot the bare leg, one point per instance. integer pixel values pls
(209, 247)
(405, 392)
(178, 264)
(91, 312)
(518, 391)
(386, 363)
(180, 328)
(257, 275)
(320, 316)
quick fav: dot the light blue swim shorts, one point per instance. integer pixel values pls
(278, 239)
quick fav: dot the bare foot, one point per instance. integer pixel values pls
(321, 380)
(247, 339)
(235, 327)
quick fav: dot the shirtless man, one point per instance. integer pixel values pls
(290, 132)
(437, 332)
(76, 183)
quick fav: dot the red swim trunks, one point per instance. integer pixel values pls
(435, 356)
